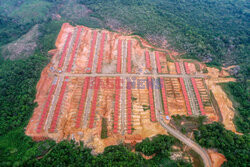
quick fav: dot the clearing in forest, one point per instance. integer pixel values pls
(105, 88)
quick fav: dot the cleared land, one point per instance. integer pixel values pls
(104, 88)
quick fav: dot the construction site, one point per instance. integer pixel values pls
(105, 88)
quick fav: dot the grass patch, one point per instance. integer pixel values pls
(145, 107)
(169, 58)
(134, 98)
(187, 124)
(197, 67)
(104, 132)
(204, 70)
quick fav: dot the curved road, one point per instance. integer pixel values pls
(158, 107)
(204, 155)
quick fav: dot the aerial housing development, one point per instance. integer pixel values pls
(97, 76)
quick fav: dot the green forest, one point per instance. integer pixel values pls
(234, 147)
(239, 94)
(213, 31)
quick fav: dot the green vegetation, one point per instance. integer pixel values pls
(31, 11)
(210, 30)
(187, 124)
(16, 148)
(104, 133)
(214, 64)
(25, 152)
(169, 58)
(118, 156)
(215, 136)
(160, 148)
(146, 107)
(18, 88)
(197, 67)
(50, 30)
(159, 144)
(26, 11)
(76, 13)
(240, 96)
(112, 156)
(63, 154)
(140, 43)
(234, 147)
(134, 98)
(215, 31)
(10, 30)
(18, 81)
(18, 16)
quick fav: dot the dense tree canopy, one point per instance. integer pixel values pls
(234, 147)
(207, 29)
(18, 81)
(68, 153)
(159, 144)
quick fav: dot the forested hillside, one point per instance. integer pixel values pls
(213, 31)
(234, 147)
(210, 30)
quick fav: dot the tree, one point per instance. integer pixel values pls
(234, 147)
